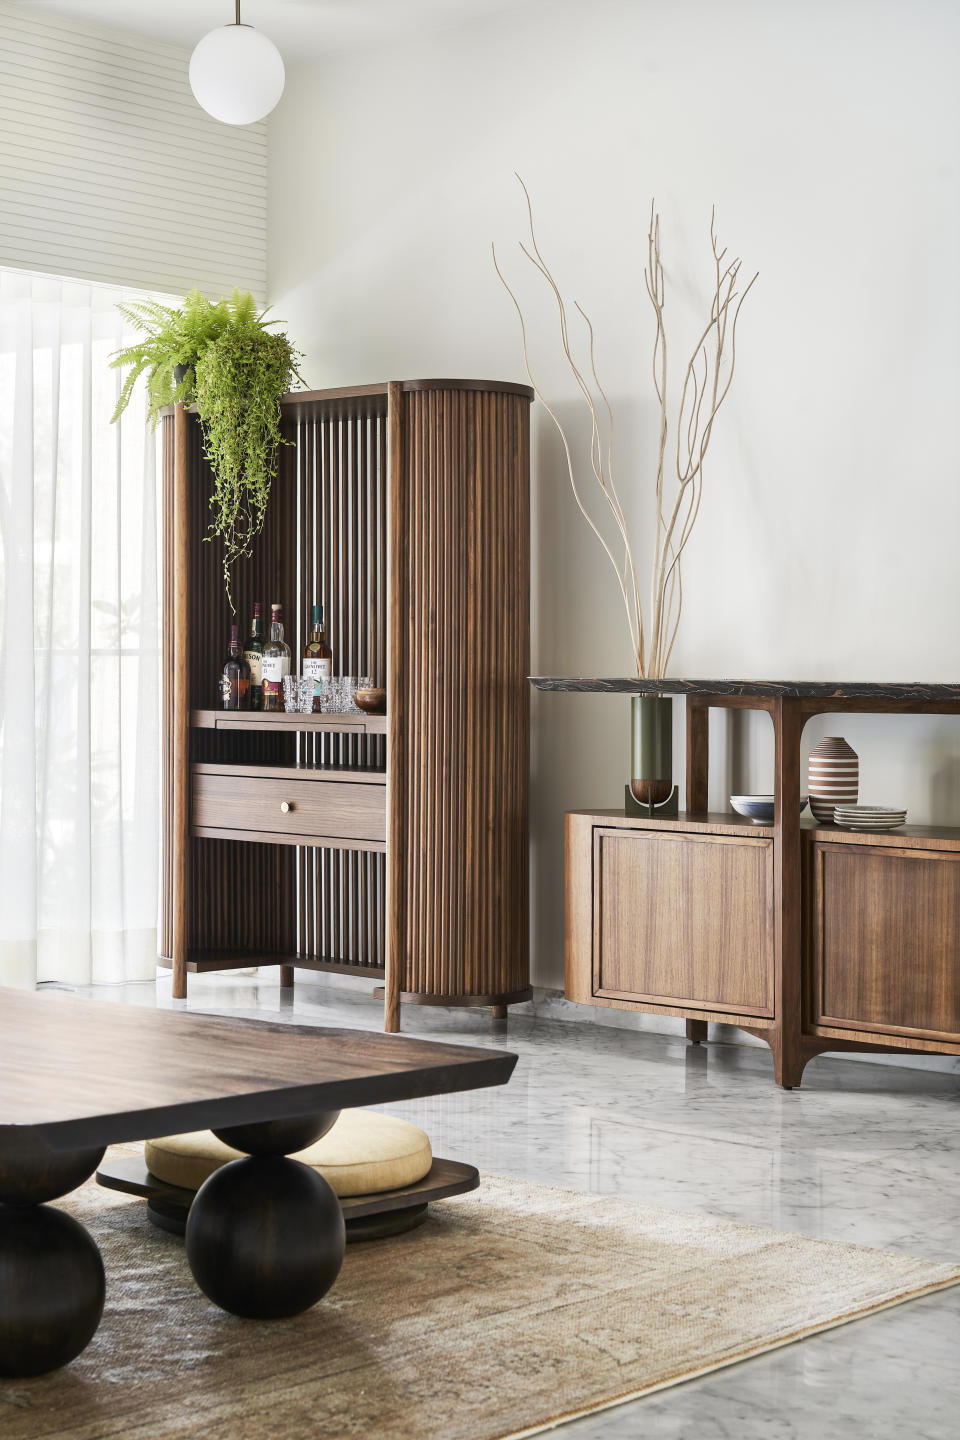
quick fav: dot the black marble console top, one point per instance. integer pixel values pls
(800, 689)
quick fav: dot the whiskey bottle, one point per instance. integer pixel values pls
(317, 655)
(253, 654)
(276, 662)
(235, 676)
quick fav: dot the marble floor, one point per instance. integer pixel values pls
(866, 1153)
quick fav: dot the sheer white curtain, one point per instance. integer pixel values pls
(79, 621)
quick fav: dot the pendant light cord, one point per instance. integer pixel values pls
(238, 13)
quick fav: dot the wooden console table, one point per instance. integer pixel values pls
(809, 937)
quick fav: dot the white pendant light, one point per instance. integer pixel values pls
(236, 73)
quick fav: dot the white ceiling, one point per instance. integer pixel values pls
(301, 29)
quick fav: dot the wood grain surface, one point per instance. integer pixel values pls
(684, 919)
(87, 1072)
(887, 939)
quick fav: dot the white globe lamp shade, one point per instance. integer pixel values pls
(236, 74)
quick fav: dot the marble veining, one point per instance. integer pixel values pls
(912, 692)
(859, 1153)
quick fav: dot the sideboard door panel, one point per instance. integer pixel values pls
(683, 919)
(887, 939)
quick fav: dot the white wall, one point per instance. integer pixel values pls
(826, 133)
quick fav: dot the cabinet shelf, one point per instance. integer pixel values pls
(203, 962)
(709, 823)
(907, 837)
(330, 774)
(254, 720)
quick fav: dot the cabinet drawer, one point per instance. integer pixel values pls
(297, 811)
(886, 939)
(683, 920)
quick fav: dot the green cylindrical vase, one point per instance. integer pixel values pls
(651, 770)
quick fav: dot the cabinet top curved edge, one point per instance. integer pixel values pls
(372, 399)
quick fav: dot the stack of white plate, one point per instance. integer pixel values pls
(868, 817)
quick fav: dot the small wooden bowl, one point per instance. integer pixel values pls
(374, 702)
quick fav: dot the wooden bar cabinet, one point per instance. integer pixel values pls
(392, 847)
(810, 937)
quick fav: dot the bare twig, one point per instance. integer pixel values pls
(707, 378)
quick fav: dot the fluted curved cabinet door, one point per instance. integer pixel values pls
(458, 707)
(391, 847)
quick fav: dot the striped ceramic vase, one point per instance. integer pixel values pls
(833, 777)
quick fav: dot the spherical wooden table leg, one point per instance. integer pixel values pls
(279, 1137)
(31, 1172)
(51, 1289)
(265, 1237)
(51, 1274)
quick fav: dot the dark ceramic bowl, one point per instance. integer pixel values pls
(374, 702)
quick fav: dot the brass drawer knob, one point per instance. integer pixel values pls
(285, 806)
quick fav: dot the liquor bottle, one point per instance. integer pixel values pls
(235, 676)
(253, 654)
(276, 662)
(317, 655)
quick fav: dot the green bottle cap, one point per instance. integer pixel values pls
(318, 614)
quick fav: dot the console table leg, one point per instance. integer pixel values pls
(698, 753)
(786, 1036)
(696, 1031)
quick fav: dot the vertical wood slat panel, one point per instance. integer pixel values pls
(460, 604)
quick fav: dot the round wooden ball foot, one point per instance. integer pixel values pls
(265, 1237)
(279, 1137)
(51, 1289)
(31, 1172)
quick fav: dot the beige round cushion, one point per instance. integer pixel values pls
(364, 1154)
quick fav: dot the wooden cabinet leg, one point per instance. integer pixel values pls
(696, 1031)
(499, 1012)
(391, 1020)
(788, 1064)
(286, 977)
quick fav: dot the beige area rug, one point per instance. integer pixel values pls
(509, 1310)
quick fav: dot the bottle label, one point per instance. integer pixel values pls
(254, 660)
(273, 668)
(318, 668)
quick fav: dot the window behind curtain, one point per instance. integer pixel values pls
(80, 658)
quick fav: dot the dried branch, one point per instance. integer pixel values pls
(707, 379)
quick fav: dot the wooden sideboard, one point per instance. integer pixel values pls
(812, 938)
(392, 847)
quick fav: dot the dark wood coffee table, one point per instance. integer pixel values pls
(265, 1234)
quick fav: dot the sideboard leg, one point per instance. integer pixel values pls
(286, 977)
(696, 1031)
(788, 1064)
(786, 1036)
(499, 1012)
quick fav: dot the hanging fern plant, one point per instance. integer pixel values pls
(240, 377)
(174, 339)
(235, 369)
